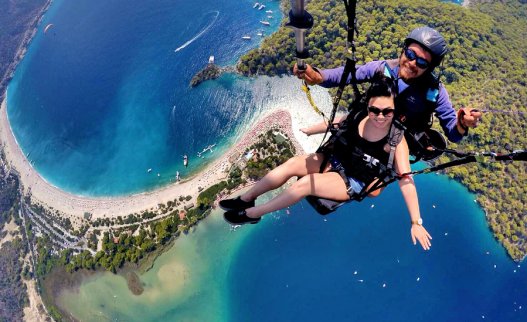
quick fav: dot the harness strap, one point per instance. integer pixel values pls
(396, 136)
(351, 59)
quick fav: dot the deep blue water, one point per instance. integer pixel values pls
(103, 96)
(301, 267)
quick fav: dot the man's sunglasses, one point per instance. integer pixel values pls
(419, 61)
(384, 111)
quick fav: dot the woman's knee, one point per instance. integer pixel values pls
(296, 164)
(303, 186)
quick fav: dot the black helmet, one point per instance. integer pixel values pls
(431, 40)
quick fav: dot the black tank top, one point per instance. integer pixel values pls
(360, 158)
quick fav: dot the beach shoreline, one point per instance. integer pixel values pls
(76, 206)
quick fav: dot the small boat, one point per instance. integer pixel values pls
(47, 27)
(261, 7)
(246, 37)
(260, 34)
(267, 23)
(178, 177)
(149, 170)
(270, 17)
(269, 11)
(185, 160)
(256, 5)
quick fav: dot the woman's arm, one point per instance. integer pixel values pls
(321, 127)
(407, 185)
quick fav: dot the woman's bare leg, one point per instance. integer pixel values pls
(296, 166)
(326, 185)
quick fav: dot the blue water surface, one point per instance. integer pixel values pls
(104, 94)
(359, 264)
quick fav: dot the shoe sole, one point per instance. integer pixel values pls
(227, 208)
(241, 224)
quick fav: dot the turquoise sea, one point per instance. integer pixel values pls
(103, 96)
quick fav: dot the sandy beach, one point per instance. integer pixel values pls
(74, 205)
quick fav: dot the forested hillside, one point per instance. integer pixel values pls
(486, 68)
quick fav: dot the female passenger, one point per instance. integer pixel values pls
(347, 171)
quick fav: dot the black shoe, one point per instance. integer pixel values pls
(236, 204)
(239, 217)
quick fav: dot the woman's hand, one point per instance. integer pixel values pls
(420, 234)
(306, 131)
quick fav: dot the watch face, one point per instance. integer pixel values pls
(420, 221)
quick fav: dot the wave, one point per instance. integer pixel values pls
(199, 34)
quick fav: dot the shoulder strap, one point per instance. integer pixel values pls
(396, 136)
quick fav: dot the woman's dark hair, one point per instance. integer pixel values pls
(381, 86)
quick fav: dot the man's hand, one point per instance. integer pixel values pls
(469, 117)
(310, 75)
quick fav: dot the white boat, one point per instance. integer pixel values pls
(263, 22)
(178, 177)
(256, 5)
(211, 61)
(185, 160)
(149, 170)
(246, 37)
(261, 7)
(260, 34)
(270, 17)
(269, 11)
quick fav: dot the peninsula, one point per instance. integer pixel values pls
(211, 71)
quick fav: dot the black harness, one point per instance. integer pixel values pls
(424, 142)
(386, 172)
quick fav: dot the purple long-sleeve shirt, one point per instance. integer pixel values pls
(415, 96)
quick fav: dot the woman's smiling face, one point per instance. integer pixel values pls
(381, 103)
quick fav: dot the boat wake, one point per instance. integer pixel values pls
(199, 34)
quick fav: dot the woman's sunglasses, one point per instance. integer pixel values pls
(419, 61)
(384, 111)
